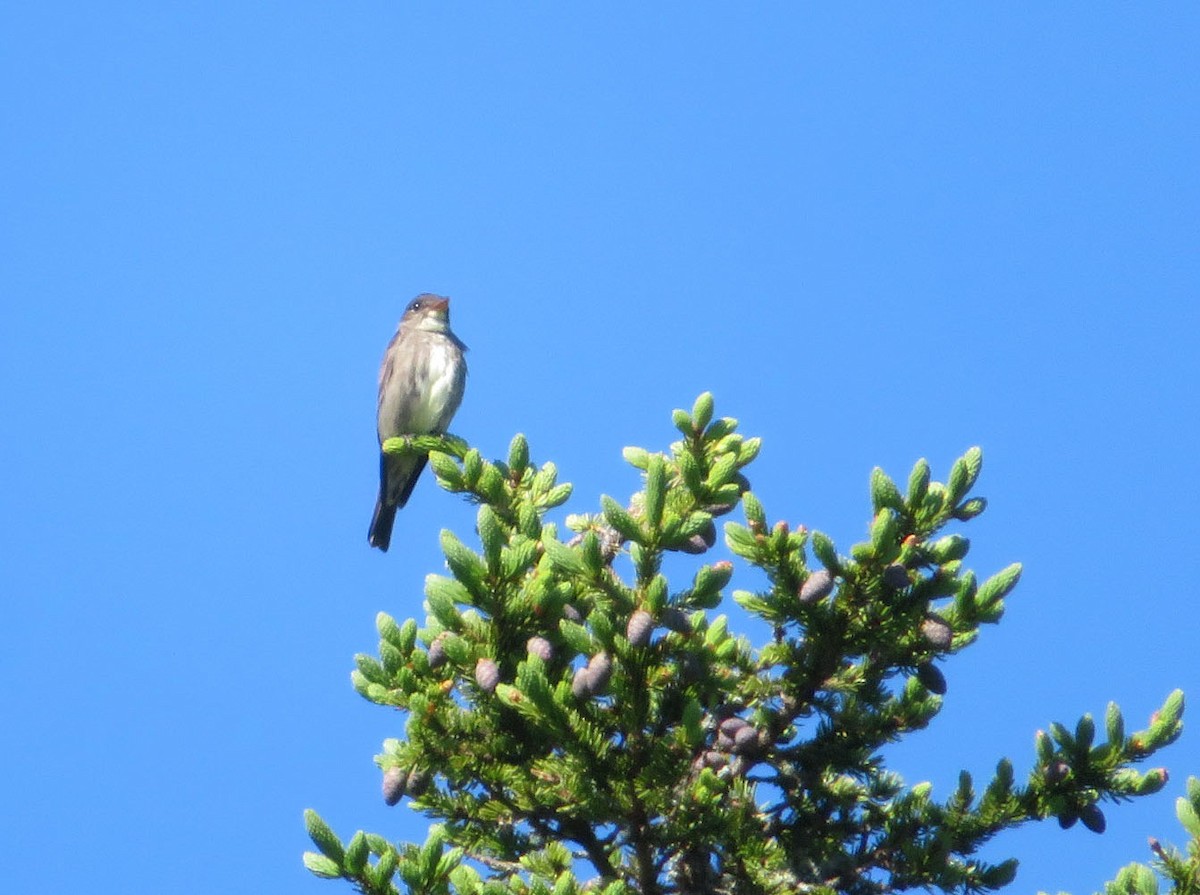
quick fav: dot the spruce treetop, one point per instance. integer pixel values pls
(575, 722)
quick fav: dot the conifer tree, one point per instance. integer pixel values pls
(577, 723)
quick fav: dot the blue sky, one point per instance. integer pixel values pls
(875, 233)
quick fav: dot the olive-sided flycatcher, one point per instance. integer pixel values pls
(421, 384)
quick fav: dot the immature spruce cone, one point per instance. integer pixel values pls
(1056, 772)
(728, 732)
(592, 678)
(600, 669)
(711, 759)
(581, 684)
(816, 587)
(731, 725)
(418, 782)
(932, 679)
(895, 576)
(937, 632)
(745, 741)
(1093, 818)
(487, 675)
(437, 651)
(639, 628)
(393, 785)
(676, 620)
(540, 647)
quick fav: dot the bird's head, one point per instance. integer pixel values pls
(427, 312)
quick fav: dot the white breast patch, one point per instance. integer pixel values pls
(436, 410)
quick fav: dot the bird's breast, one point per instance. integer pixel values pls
(444, 390)
(424, 390)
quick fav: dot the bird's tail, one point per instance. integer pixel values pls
(380, 534)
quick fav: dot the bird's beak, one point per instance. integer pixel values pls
(440, 306)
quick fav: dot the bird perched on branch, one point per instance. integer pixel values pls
(421, 384)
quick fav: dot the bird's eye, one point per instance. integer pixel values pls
(414, 305)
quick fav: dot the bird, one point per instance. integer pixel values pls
(421, 383)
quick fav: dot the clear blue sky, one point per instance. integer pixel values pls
(875, 233)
